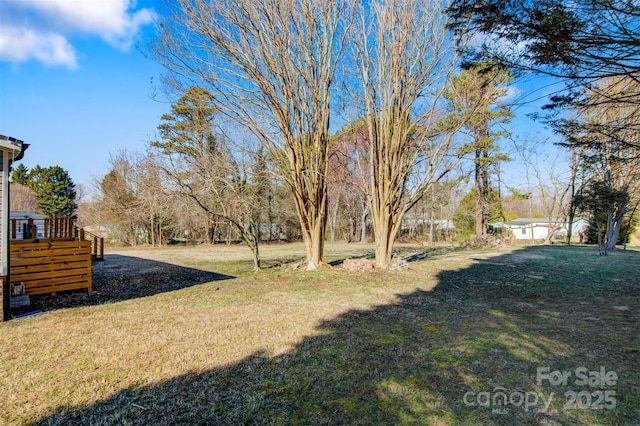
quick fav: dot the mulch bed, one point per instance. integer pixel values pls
(121, 278)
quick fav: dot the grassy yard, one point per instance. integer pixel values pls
(439, 344)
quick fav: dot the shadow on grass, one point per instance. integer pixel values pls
(484, 330)
(120, 278)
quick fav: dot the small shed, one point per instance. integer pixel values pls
(11, 150)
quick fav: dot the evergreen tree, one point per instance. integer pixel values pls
(464, 217)
(581, 40)
(54, 190)
(477, 92)
(600, 200)
(20, 175)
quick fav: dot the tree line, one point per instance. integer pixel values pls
(593, 47)
(401, 64)
(277, 69)
(302, 112)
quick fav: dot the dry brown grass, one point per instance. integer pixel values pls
(75, 357)
(283, 336)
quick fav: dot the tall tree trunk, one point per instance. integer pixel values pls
(432, 216)
(312, 214)
(613, 237)
(431, 219)
(385, 228)
(153, 236)
(250, 235)
(572, 207)
(314, 244)
(482, 192)
(613, 229)
(384, 237)
(363, 223)
(479, 199)
(334, 219)
(313, 223)
(211, 231)
(253, 241)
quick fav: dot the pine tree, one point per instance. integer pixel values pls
(54, 189)
(476, 92)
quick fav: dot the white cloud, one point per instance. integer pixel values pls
(109, 19)
(49, 24)
(21, 44)
(512, 94)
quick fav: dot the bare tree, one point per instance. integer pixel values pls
(154, 200)
(22, 198)
(270, 65)
(347, 177)
(405, 59)
(574, 188)
(554, 188)
(204, 167)
(607, 134)
(549, 186)
(120, 201)
(90, 212)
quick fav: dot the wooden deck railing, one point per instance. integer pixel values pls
(56, 229)
(51, 255)
(53, 228)
(97, 243)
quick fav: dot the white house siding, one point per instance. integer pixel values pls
(540, 228)
(5, 305)
(22, 220)
(10, 150)
(525, 232)
(4, 212)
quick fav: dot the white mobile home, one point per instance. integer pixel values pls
(539, 228)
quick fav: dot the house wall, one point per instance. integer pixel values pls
(5, 310)
(273, 231)
(3, 218)
(524, 232)
(540, 231)
(10, 150)
(22, 223)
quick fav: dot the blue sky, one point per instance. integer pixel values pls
(72, 83)
(74, 86)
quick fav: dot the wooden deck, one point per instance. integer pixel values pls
(51, 265)
(55, 229)
(49, 228)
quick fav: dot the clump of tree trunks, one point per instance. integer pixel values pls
(275, 74)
